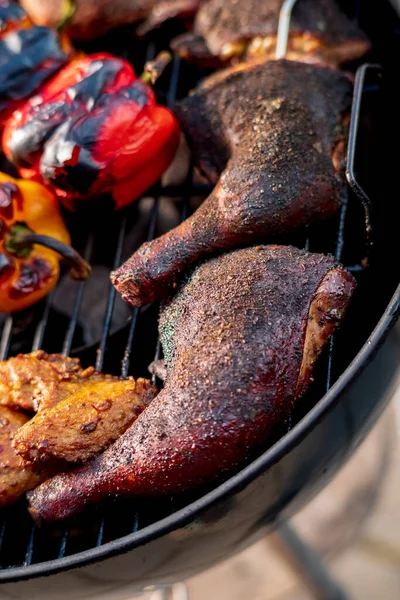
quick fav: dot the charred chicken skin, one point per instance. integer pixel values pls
(86, 422)
(16, 477)
(227, 29)
(91, 18)
(272, 136)
(240, 339)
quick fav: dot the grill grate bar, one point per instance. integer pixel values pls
(135, 312)
(2, 531)
(150, 235)
(153, 219)
(187, 191)
(150, 52)
(99, 539)
(111, 299)
(171, 95)
(135, 525)
(157, 356)
(31, 545)
(338, 255)
(355, 268)
(41, 328)
(6, 338)
(173, 82)
(106, 328)
(78, 300)
(63, 543)
(126, 361)
(354, 122)
(36, 345)
(340, 232)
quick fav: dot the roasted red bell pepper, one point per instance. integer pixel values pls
(94, 128)
(33, 239)
(29, 55)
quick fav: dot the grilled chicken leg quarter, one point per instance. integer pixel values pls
(228, 29)
(272, 136)
(240, 339)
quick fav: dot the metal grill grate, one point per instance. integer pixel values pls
(342, 236)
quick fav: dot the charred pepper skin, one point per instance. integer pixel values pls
(24, 280)
(94, 128)
(12, 16)
(29, 55)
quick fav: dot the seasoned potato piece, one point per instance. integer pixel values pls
(86, 422)
(16, 477)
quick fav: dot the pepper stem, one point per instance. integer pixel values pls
(154, 68)
(68, 13)
(19, 240)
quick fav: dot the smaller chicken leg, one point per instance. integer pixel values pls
(272, 137)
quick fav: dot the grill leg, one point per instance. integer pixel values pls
(304, 561)
(307, 565)
(178, 591)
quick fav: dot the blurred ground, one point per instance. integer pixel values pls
(354, 523)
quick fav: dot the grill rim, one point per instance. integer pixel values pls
(235, 483)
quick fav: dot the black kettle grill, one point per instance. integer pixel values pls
(124, 546)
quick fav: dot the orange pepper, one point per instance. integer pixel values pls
(30, 222)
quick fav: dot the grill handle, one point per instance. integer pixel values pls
(285, 16)
(351, 175)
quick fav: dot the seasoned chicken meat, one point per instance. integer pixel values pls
(92, 18)
(84, 423)
(16, 477)
(272, 137)
(227, 29)
(37, 380)
(240, 339)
